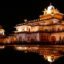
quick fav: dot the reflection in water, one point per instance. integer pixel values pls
(12, 55)
(50, 54)
(49, 58)
(21, 48)
(52, 58)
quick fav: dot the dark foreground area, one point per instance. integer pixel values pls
(9, 55)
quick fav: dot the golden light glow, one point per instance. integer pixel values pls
(23, 28)
(20, 48)
(2, 31)
(50, 58)
(2, 47)
(50, 10)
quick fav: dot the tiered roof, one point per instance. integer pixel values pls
(49, 13)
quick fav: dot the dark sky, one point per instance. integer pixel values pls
(14, 12)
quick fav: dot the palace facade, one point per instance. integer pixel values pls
(49, 27)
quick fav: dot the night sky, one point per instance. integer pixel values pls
(14, 12)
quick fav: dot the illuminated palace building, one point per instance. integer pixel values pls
(2, 31)
(49, 27)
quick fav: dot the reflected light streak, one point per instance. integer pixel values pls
(25, 48)
(20, 48)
